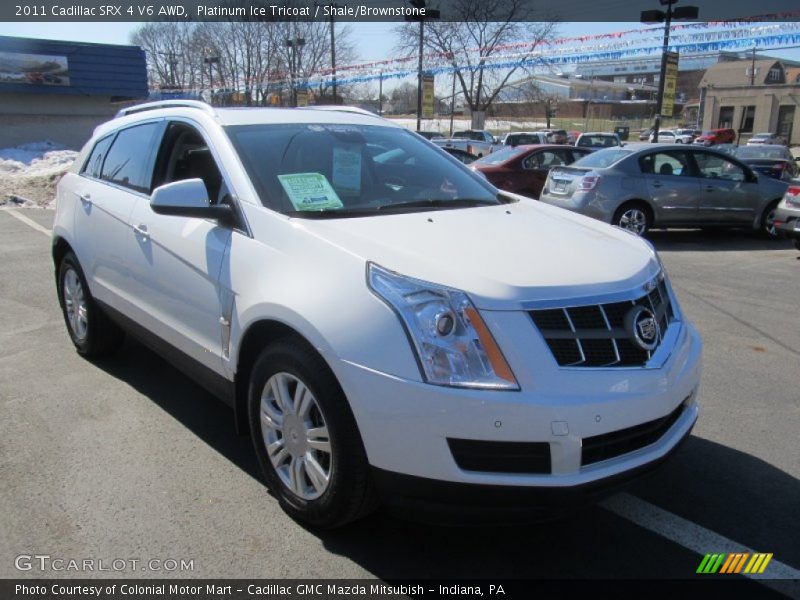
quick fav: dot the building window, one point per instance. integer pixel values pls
(748, 116)
(725, 117)
(775, 75)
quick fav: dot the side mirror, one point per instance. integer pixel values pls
(188, 198)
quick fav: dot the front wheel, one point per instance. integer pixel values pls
(633, 217)
(306, 439)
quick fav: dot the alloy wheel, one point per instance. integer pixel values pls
(75, 304)
(296, 436)
(634, 220)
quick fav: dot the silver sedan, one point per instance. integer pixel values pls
(642, 186)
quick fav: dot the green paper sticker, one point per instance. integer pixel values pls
(310, 191)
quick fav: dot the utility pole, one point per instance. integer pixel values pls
(452, 96)
(659, 16)
(429, 14)
(380, 93)
(333, 49)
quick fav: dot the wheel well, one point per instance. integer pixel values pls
(257, 336)
(60, 248)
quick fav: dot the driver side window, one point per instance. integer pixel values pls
(184, 154)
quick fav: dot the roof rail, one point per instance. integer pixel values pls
(337, 108)
(137, 108)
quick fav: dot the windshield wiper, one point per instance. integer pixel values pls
(331, 213)
(439, 203)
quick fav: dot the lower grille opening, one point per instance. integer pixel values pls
(501, 457)
(609, 445)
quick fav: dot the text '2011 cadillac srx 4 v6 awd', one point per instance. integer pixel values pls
(386, 325)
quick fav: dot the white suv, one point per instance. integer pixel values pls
(385, 323)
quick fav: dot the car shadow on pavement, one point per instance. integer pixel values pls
(727, 491)
(692, 240)
(209, 418)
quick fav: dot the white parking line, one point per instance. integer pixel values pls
(29, 222)
(699, 539)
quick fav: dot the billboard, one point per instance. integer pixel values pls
(428, 100)
(670, 84)
(36, 69)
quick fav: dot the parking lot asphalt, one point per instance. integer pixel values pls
(128, 458)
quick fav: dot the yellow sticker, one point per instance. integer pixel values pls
(310, 191)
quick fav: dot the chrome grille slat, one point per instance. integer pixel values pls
(594, 335)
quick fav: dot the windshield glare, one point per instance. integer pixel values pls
(307, 169)
(602, 158)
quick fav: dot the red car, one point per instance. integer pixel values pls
(523, 169)
(711, 137)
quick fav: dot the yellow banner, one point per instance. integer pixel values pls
(670, 84)
(428, 99)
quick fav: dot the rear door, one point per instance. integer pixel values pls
(672, 185)
(537, 165)
(727, 197)
(115, 175)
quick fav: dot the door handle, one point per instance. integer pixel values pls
(141, 231)
(85, 199)
(710, 188)
(657, 184)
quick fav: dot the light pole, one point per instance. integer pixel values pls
(429, 14)
(294, 45)
(659, 16)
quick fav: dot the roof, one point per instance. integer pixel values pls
(737, 73)
(74, 68)
(792, 74)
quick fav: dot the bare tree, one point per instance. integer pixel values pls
(478, 32)
(169, 63)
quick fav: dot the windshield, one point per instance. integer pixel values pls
(762, 152)
(602, 158)
(315, 170)
(597, 141)
(500, 156)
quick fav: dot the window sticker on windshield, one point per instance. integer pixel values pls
(347, 168)
(309, 191)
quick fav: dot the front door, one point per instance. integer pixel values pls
(727, 197)
(176, 261)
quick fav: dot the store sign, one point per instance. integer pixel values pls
(36, 69)
(670, 84)
(428, 99)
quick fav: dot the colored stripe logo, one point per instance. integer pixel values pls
(735, 563)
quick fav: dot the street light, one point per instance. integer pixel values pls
(294, 44)
(429, 14)
(660, 16)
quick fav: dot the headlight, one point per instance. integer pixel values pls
(452, 343)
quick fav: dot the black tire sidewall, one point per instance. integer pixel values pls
(289, 356)
(84, 346)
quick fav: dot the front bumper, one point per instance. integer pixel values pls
(406, 425)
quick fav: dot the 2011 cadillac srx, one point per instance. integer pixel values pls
(385, 323)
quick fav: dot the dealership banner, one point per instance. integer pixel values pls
(428, 98)
(41, 69)
(670, 83)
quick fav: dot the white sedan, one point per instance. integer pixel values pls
(668, 137)
(760, 139)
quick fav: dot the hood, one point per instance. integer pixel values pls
(505, 257)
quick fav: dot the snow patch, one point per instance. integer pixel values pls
(29, 172)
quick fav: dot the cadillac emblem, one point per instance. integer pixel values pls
(642, 328)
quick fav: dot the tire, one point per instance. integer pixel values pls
(316, 466)
(635, 217)
(89, 328)
(766, 225)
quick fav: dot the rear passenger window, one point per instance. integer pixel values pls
(665, 163)
(95, 161)
(128, 159)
